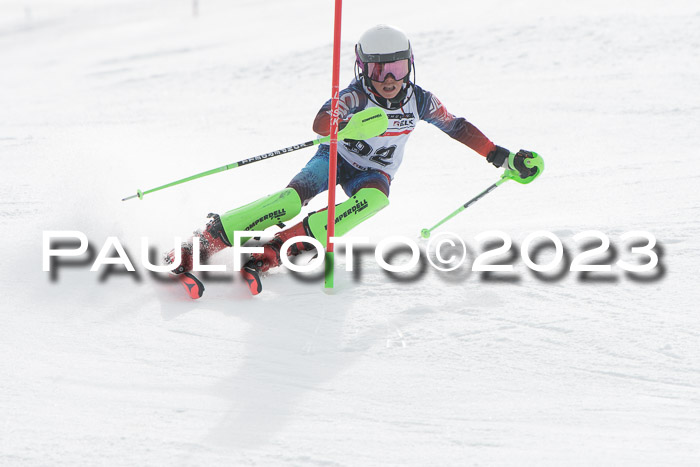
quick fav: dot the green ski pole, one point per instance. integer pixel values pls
(509, 174)
(365, 124)
(425, 233)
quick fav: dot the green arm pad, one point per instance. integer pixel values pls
(348, 214)
(263, 213)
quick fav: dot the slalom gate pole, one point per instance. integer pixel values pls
(333, 156)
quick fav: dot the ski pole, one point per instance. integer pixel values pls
(425, 233)
(534, 160)
(364, 124)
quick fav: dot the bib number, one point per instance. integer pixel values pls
(382, 156)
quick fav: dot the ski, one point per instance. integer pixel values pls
(251, 275)
(193, 286)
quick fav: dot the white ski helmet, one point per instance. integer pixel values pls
(384, 44)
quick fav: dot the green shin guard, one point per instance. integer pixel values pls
(263, 213)
(348, 214)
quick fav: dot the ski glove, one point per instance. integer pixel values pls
(498, 157)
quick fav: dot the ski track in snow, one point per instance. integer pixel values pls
(423, 368)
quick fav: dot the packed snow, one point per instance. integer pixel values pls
(101, 97)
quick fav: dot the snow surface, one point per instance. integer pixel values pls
(100, 97)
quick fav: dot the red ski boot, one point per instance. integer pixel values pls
(270, 257)
(212, 240)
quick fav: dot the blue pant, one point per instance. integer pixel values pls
(313, 178)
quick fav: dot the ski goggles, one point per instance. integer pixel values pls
(379, 71)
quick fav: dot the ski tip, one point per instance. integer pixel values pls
(252, 278)
(193, 286)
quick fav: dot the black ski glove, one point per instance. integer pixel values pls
(519, 163)
(499, 157)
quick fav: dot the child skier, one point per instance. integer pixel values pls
(384, 61)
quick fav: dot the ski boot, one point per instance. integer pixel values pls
(211, 240)
(270, 257)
